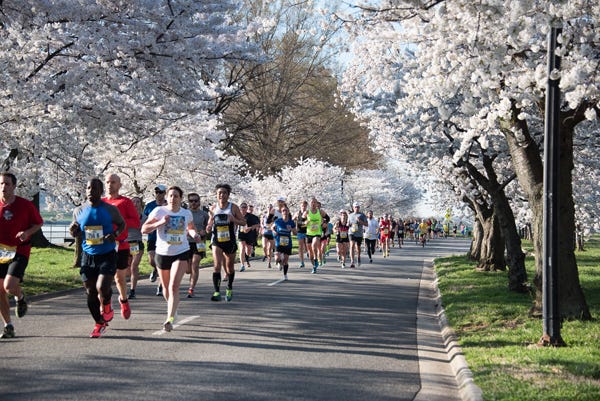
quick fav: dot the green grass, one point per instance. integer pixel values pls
(495, 333)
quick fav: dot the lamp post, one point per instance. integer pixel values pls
(551, 313)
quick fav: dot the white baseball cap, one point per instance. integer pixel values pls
(356, 204)
(160, 187)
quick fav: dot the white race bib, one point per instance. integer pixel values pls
(94, 235)
(7, 253)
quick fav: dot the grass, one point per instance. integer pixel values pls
(495, 333)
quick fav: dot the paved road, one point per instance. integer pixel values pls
(337, 335)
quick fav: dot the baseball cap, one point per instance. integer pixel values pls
(281, 199)
(160, 187)
(343, 211)
(355, 204)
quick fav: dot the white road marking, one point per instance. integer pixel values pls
(281, 280)
(179, 323)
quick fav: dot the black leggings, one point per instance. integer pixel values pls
(93, 301)
(370, 246)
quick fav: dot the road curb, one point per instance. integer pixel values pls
(469, 391)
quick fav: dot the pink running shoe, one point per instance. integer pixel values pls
(99, 329)
(108, 312)
(125, 309)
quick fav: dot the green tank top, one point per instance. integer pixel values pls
(313, 224)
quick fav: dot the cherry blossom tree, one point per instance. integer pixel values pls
(128, 86)
(480, 81)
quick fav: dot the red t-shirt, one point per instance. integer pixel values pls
(384, 228)
(130, 215)
(20, 215)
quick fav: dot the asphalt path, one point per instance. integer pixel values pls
(340, 334)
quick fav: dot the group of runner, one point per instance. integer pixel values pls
(110, 230)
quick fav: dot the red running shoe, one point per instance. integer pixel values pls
(99, 329)
(125, 309)
(108, 313)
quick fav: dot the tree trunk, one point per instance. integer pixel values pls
(515, 258)
(475, 250)
(528, 166)
(492, 246)
(517, 275)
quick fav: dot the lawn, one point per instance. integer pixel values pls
(496, 334)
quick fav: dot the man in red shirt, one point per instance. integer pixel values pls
(19, 220)
(132, 219)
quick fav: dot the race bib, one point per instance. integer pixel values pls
(94, 235)
(354, 227)
(385, 231)
(134, 248)
(201, 246)
(343, 234)
(315, 226)
(7, 253)
(223, 234)
(176, 230)
(284, 241)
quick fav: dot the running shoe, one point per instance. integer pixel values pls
(269, 265)
(99, 329)
(302, 265)
(108, 312)
(228, 295)
(343, 265)
(314, 270)
(131, 294)
(21, 307)
(159, 290)
(352, 266)
(279, 266)
(9, 331)
(370, 260)
(216, 296)
(168, 325)
(242, 268)
(125, 309)
(285, 278)
(190, 293)
(153, 276)
(264, 258)
(324, 261)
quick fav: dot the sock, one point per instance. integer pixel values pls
(230, 282)
(285, 268)
(217, 281)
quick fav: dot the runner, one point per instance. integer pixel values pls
(371, 234)
(19, 220)
(198, 244)
(283, 228)
(132, 219)
(171, 222)
(223, 217)
(159, 200)
(136, 249)
(385, 228)
(325, 239)
(342, 239)
(99, 224)
(301, 235)
(247, 235)
(315, 224)
(357, 221)
(267, 234)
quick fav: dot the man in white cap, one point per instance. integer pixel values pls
(357, 220)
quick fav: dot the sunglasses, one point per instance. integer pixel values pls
(194, 200)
